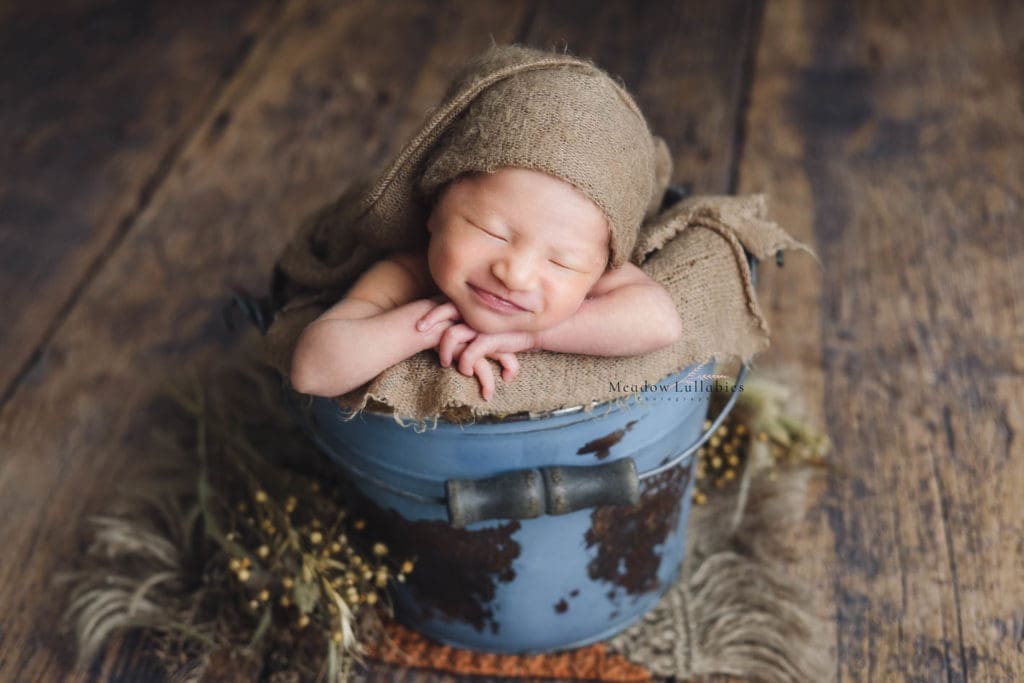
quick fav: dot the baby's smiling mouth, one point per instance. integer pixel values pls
(496, 302)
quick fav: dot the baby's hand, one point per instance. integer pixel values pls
(501, 346)
(493, 346)
(459, 338)
(454, 343)
(444, 311)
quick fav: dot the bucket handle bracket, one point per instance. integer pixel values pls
(525, 494)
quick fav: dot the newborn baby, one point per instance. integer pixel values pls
(518, 260)
(506, 224)
(524, 213)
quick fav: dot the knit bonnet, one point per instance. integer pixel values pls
(571, 121)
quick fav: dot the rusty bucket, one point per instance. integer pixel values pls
(535, 533)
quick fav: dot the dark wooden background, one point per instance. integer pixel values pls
(156, 154)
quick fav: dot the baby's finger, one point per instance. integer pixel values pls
(474, 353)
(445, 311)
(451, 343)
(431, 318)
(456, 353)
(486, 375)
(509, 365)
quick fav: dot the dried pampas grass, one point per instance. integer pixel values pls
(229, 548)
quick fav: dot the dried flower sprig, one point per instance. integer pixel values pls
(773, 439)
(307, 569)
(243, 558)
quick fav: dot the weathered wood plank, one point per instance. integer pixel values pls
(317, 101)
(96, 99)
(684, 62)
(772, 161)
(330, 90)
(889, 136)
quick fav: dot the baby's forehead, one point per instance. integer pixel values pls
(533, 204)
(514, 190)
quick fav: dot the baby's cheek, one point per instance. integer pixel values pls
(570, 297)
(440, 262)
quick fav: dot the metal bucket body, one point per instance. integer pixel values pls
(529, 585)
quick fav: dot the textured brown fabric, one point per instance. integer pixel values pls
(574, 124)
(695, 249)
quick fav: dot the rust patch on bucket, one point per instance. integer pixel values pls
(457, 571)
(602, 447)
(626, 537)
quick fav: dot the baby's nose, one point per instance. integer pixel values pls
(517, 271)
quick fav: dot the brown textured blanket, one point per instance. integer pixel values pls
(516, 106)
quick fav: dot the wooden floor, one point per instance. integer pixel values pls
(156, 154)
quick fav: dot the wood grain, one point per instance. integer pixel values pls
(328, 91)
(684, 63)
(318, 99)
(888, 135)
(96, 100)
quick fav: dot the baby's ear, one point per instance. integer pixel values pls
(433, 206)
(431, 218)
(662, 176)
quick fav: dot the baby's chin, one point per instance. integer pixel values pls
(498, 323)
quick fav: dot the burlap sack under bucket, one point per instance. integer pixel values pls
(555, 113)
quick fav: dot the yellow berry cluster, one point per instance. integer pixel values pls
(302, 565)
(719, 460)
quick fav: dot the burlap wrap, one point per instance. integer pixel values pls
(576, 124)
(584, 128)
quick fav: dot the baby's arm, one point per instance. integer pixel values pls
(626, 314)
(369, 330)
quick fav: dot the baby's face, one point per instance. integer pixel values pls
(516, 250)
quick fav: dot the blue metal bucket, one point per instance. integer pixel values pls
(535, 583)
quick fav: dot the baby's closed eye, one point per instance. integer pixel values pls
(566, 262)
(580, 263)
(565, 266)
(489, 232)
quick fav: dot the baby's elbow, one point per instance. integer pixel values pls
(672, 330)
(675, 329)
(302, 379)
(305, 375)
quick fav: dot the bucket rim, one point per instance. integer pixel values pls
(611, 404)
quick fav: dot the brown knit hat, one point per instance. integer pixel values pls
(572, 122)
